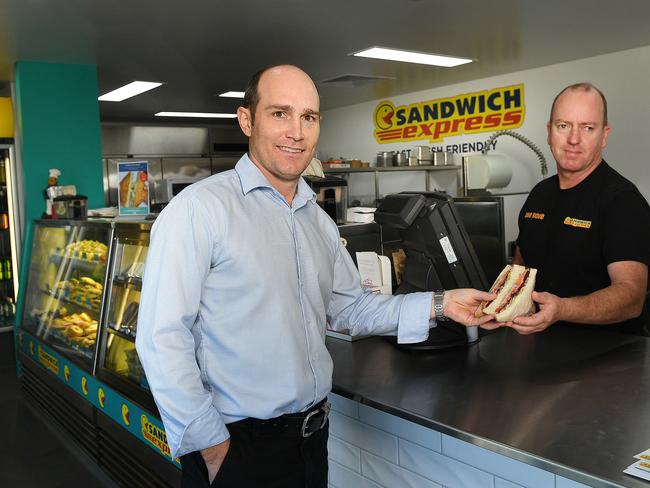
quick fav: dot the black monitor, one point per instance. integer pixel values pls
(439, 255)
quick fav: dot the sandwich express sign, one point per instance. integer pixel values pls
(433, 120)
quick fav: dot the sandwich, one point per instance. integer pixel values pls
(513, 287)
(126, 190)
(133, 189)
(141, 191)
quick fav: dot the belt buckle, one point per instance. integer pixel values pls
(325, 409)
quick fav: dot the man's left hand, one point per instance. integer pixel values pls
(460, 304)
(550, 309)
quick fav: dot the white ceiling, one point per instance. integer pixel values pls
(200, 48)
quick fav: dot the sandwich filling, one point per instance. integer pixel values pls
(519, 285)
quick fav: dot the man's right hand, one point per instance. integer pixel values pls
(214, 456)
(461, 303)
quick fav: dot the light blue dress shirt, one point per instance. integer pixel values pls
(238, 289)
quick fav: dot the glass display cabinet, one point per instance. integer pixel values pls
(76, 345)
(118, 363)
(66, 287)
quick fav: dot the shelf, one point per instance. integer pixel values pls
(71, 302)
(134, 283)
(388, 169)
(124, 336)
(59, 341)
(77, 262)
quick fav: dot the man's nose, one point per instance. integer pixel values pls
(294, 129)
(574, 135)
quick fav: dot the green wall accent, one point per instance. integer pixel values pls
(58, 123)
(58, 127)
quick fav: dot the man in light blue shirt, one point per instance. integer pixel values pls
(244, 271)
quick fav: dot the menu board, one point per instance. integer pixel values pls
(133, 189)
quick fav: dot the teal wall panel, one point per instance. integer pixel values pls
(58, 123)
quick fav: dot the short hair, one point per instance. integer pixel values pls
(584, 86)
(252, 94)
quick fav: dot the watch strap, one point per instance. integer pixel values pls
(438, 307)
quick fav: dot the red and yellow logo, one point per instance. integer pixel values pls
(155, 436)
(47, 360)
(84, 385)
(101, 397)
(433, 120)
(126, 415)
(66, 373)
(384, 114)
(582, 224)
(31, 348)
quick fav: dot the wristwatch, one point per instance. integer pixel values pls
(438, 307)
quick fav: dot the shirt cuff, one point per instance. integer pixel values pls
(414, 315)
(206, 431)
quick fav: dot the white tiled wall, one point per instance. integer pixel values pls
(369, 448)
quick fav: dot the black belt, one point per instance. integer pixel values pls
(302, 424)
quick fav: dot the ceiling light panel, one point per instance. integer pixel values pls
(411, 57)
(232, 94)
(203, 115)
(127, 91)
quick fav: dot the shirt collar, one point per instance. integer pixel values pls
(252, 178)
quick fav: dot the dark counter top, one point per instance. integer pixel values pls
(574, 402)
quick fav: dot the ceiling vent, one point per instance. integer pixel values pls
(353, 80)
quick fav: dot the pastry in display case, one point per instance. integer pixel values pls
(118, 361)
(65, 286)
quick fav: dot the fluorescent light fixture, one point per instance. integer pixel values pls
(196, 114)
(411, 57)
(127, 91)
(232, 94)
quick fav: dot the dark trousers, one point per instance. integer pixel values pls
(263, 458)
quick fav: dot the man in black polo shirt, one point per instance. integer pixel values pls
(586, 229)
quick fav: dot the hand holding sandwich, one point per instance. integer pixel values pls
(459, 305)
(550, 311)
(512, 292)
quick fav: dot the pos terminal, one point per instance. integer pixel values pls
(439, 256)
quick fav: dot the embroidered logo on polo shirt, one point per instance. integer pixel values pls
(583, 224)
(534, 215)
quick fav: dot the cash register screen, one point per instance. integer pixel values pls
(439, 253)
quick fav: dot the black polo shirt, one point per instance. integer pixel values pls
(571, 235)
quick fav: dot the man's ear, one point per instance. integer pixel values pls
(245, 120)
(606, 131)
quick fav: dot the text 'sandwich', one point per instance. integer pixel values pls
(513, 288)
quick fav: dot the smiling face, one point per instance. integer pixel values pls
(284, 132)
(577, 134)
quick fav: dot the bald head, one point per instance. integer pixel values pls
(275, 72)
(584, 87)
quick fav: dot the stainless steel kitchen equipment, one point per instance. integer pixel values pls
(384, 159)
(401, 158)
(423, 154)
(74, 207)
(441, 158)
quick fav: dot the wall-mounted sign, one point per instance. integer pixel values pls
(433, 120)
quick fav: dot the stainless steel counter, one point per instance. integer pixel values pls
(574, 402)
